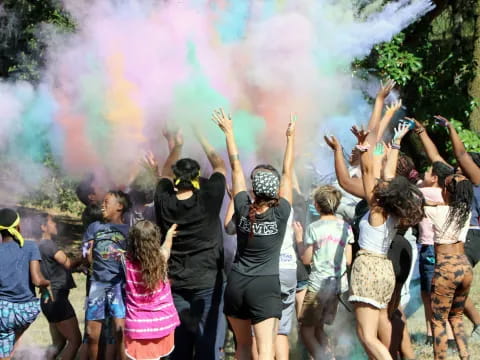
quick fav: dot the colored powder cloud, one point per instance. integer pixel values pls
(134, 67)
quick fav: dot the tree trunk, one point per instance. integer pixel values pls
(474, 88)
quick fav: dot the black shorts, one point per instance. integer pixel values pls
(400, 254)
(254, 298)
(472, 246)
(60, 309)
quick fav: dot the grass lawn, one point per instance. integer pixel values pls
(37, 337)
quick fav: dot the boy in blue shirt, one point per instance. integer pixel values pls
(107, 242)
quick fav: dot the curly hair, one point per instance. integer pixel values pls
(144, 247)
(460, 200)
(327, 199)
(406, 168)
(401, 199)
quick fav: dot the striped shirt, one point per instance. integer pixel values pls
(150, 314)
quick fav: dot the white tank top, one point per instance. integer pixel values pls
(376, 239)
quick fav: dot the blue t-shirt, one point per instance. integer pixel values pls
(15, 282)
(109, 242)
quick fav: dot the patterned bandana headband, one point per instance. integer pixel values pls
(265, 184)
(195, 182)
(13, 231)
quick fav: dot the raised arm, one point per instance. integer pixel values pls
(392, 158)
(430, 148)
(167, 244)
(286, 189)
(225, 123)
(387, 117)
(215, 160)
(351, 185)
(366, 162)
(175, 145)
(382, 94)
(469, 168)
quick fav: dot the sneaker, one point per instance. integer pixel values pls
(475, 336)
(452, 346)
(429, 340)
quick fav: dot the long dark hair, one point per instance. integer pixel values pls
(401, 199)
(460, 191)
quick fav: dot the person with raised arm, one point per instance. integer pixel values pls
(376, 126)
(196, 263)
(393, 201)
(453, 272)
(469, 165)
(253, 294)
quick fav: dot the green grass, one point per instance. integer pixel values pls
(37, 337)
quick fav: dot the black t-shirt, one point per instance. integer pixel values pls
(60, 278)
(260, 254)
(196, 257)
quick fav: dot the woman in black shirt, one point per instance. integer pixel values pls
(252, 296)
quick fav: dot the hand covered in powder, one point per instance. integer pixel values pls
(361, 135)
(223, 121)
(401, 130)
(385, 89)
(440, 120)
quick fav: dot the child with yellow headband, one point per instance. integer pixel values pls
(19, 273)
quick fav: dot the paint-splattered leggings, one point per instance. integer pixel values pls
(450, 286)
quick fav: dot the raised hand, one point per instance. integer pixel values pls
(385, 89)
(332, 142)
(399, 132)
(440, 120)
(393, 107)
(223, 121)
(360, 134)
(149, 161)
(291, 125)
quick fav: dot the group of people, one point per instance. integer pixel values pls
(159, 284)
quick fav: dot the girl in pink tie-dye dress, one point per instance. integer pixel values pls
(151, 317)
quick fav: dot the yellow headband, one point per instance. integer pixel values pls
(13, 231)
(195, 182)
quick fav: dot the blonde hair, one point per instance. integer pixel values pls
(327, 198)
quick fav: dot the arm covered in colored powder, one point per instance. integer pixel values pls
(215, 160)
(175, 152)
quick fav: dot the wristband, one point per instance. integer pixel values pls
(395, 146)
(362, 148)
(419, 131)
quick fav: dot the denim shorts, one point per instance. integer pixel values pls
(426, 264)
(15, 317)
(105, 299)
